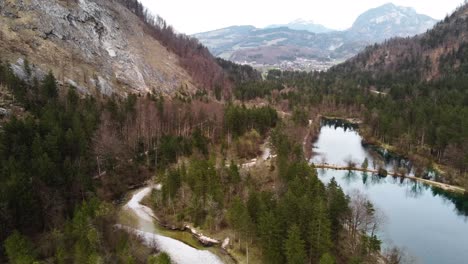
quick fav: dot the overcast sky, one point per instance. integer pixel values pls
(194, 16)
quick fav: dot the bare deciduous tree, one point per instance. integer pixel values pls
(364, 218)
(396, 255)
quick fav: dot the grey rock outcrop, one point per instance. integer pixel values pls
(96, 46)
(27, 72)
(4, 112)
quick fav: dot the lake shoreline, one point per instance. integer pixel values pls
(446, 187)
(370, 141)
(417, 213)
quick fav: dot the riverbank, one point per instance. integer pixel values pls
(225, 243)
(142, 225)
(448, 175)
(239, 249)
(350, 120)
(448, 180)
(202, 239)
(443, 186)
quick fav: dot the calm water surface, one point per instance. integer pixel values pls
(430, 224)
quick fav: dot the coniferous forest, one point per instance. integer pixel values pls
(62, 168)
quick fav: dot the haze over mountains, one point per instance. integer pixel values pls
(308, 46)
(302, 24)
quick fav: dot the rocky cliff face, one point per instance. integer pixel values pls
(95, 45)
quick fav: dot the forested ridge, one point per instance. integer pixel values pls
(436, 54)
(426, 79)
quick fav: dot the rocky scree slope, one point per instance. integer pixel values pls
(96, 46)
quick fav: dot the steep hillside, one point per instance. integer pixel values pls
(98, 46)
(304, 50)
(440, 52)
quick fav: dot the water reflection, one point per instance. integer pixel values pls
(431, 223)
(414, 189)
(339, 143)
(364, 176)
(460, 201)
(350, 176)
(378, 157)
(338, 123)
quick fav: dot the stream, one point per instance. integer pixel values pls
(430, 224)
(144, 227)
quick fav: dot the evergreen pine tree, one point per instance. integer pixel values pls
(294, 246)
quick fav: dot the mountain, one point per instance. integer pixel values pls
(303, 49)
(273, 45)
(301, 24)
(441, 52)
(389, 21)
(223, 40)
(103, 46)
